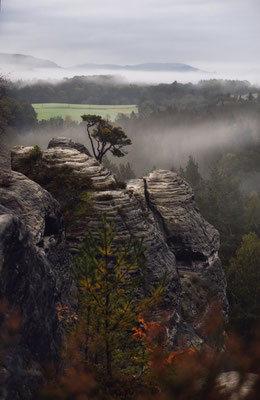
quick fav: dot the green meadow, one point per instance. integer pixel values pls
(74, 111)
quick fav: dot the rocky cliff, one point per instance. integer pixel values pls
(159, 208)
(193, 241)
(35, 279)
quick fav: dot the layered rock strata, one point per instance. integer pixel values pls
(68, 143)
(193, 241)
(63, 152)
(119, 206)
(161, 209)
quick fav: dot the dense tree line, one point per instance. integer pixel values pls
(229, 111)
(236, 215)
(15, 115)
(107, 90)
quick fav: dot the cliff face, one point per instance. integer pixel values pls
(193, 241)
(35, 279)
(160, 208)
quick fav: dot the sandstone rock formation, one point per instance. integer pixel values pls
(35, 279)
(160, 208)
(68, 143)
(120, 207)
(193, 241)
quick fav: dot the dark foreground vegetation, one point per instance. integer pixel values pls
(115, 344)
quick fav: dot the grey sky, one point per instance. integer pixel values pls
(135, 31)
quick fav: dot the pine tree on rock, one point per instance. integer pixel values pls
(105, 137)
(108, 277)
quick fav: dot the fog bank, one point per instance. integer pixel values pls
(219, 70)
(167, 146)
(171, 147)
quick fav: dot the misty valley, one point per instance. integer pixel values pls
(129, 200)
(129, 239)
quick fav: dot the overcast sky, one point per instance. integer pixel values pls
(135, 31)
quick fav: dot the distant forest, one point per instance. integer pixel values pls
(108, 90)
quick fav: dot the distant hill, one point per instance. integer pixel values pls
(25, 62)
(142, 67)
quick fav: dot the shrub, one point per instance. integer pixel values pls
(35, 153)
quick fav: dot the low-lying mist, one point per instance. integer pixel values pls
(42, 137)
(170, 147)
(165, 146)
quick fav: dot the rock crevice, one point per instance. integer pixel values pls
(154, 210)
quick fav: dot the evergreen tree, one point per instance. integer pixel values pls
(104, 137)
(109, 277)
(123, 172)
(243, 277)
(252, 213)
(126, 172)
(191, 175)
(223, 207)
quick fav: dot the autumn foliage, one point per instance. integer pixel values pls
(186, 374)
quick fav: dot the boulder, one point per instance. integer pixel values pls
(68, 143)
